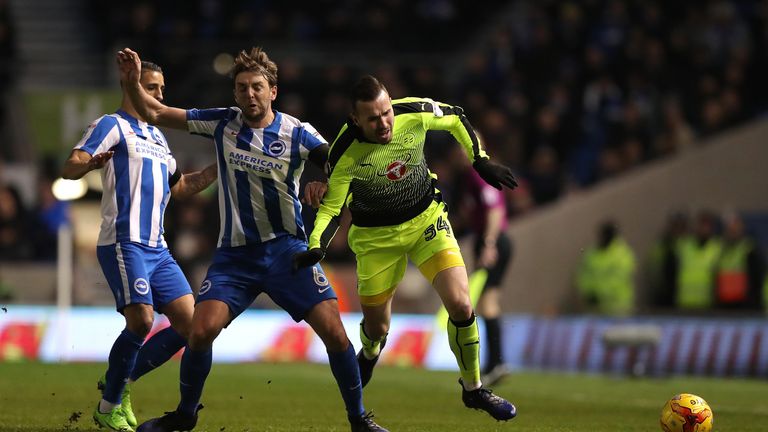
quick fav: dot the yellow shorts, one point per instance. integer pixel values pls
(382, 252)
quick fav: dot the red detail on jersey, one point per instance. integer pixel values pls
(396, 170)
(691, 418)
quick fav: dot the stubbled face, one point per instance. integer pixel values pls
(375, 118)
(153, 83)
(254, 96)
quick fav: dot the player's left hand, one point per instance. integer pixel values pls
(314, 193)
(495, 174)
(307, 258)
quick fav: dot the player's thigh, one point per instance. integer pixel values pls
(381, 262)
(297, 292)
(124, 267)
(168, 283)
(433, 245)
(231, 279)
(452, 285)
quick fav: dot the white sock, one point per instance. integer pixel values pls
(105, 407)
(471, 386)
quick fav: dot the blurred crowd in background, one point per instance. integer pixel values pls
(568, 93)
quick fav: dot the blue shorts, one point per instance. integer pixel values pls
(239, 274)
(141, 274)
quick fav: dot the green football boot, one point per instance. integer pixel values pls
(114, 420)
(126, 406)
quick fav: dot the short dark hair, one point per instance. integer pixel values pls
(366, 89)
(149, 66)
(256, 60)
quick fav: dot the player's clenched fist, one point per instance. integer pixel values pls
(495, 174)
(307, 258)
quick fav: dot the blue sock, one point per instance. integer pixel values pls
(195, 366)
(122, 357)
(156, 351)
(347, 374)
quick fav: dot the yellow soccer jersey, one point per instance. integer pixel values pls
(387, 184)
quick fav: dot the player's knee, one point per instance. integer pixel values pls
(201, 336)
(459, 310)
(140, 326)
(376, 330)
(336, 340)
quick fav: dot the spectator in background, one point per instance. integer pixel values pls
(7, 69)
(663, 265)
(695, 261)
(605, 278)
(49, 215)
(676, 134)
(13, 225)
(740, 269)
(545, 176)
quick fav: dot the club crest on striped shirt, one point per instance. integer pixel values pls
(276, 148)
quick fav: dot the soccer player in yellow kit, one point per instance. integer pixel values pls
(376, 167)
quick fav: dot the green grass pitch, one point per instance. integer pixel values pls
(303, 397)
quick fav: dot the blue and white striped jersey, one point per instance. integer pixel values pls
(259, 173)
(135, 180)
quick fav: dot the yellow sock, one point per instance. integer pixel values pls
(465, 344)
(371, 348)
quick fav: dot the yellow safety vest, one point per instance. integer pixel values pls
(696, 270)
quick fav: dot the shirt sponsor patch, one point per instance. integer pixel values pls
(261, 165)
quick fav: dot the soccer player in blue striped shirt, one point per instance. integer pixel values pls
(139, 174)
(261, 154)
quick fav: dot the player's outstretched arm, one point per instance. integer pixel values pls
(495, 174)
(80, 163)
(149, 108)
(194, 182)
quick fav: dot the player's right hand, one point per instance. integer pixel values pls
(307, 258)
(99, 160)
(129, 64)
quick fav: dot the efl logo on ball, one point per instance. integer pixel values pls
(686, 413)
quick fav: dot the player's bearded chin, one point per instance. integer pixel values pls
(253, 113)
